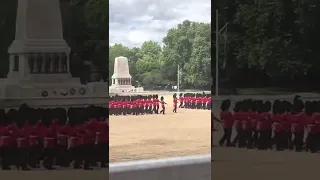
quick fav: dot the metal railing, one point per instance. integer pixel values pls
(178, 168)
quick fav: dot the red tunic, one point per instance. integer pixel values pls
(175, 101)
(49, 138)
(22, 139)
(87, 138)
(5, 137)
(74, 140)
(227, 119)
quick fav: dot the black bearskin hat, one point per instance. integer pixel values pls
(174, 95)
(162, 98)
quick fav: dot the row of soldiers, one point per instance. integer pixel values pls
(34, 138)
(135, 105)
(263, 125)
(195, 101)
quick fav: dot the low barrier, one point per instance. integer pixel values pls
(178, 168)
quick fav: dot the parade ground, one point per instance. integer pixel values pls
(186, 132)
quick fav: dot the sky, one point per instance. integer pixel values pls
(132, 22)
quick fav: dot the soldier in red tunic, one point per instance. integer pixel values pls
(175, 103)
(87, 146)
(23, 148)
(102, 143)
(62, 144)
(5, 145)
(181, 99)
(49, 147)
(162, 105)
(74, 143)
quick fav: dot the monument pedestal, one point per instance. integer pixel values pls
(39, 70)
(64, 94)
(117, 89)
(121, 78)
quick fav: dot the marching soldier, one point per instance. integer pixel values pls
(162, 105)
(175, 102)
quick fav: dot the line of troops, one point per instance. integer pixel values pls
(282, 125)
(150, 104)
(54, 138)
(134, 105)
(195, 101)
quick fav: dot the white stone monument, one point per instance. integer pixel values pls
(121, 78)
(39, 67)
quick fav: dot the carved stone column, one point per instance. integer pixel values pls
(31, 63)
(46, 58)
(65, 63)
(39, 63)
(43, 63)
(56, 63)
(60, 70)
(51, 60)
(35, 60)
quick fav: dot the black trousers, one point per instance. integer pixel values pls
(226, 136)
(22, 157)
(62, 158)
(49, 155)
(279, 140)
(87, 155)
(163, 110)
(263, 140)
(5, 157)
(104, 154)
(235, 141)
(75, 155)
(175, 108)
(298, 140)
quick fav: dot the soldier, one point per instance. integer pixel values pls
(227, 120)
(175, 102)
(48, 145)
(208, 103)
(158, 103)
(73, 144)
(162, 105)
(86, 147)
(181, 99)
(150, 104)
(102, 143)
(22, 147)
(62, 143)
(5, 143)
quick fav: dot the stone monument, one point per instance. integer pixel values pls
(39, 67)
(121, 78)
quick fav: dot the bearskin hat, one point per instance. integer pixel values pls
(162, 98)
(174, 95)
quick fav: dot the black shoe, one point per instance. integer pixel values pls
(87, 168)
(25, 169)
(48, 167)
